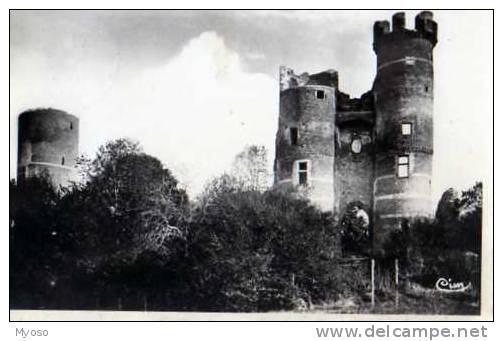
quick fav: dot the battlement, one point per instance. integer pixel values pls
(425, 27)
(288, 79)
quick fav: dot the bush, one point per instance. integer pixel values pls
(255, 251)
(448, 246)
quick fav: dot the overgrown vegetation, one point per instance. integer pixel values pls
(450, 245)
(128, 238)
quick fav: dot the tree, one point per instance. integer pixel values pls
(250, 168)
(354, 227)
(450, 245)
(459, 218)
(448, 207)
(253, 251)
(128, 208)
(35, 247)
(470, 217)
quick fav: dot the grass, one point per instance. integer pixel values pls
(415, 301)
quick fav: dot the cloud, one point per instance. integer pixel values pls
(195, 112)
(255, 56)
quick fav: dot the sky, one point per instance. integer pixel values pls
(195, 87)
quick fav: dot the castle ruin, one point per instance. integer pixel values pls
(376, 149)
(47, 143)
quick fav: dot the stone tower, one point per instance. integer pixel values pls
(47, 142)
(373, 153)
(305, 136)
(403, 104)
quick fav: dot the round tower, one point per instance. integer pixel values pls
(305, 136)
(403, 99)
(47, 142)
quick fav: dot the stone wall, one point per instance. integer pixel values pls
(48, 141)
(403, 94)
(353, 175)
(302, 108)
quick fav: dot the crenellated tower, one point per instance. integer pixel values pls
(403, 104)
(373, 153)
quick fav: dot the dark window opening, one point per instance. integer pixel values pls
(302, 172)
(320, 94)
(63, 160)
(426, 88)
(71, 125)
(302, 166)
(302, 178)
(294, 136)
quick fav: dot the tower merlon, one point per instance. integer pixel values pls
(380, 28)
(425, 28)
(398, 21)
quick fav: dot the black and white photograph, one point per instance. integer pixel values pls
(251, 164)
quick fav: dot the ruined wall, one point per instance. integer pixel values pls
(354, 152)
(302, 108)
(354, 168)
(403, 94)
(47, 141)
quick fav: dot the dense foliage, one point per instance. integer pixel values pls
(127, 237)
(260, 251)
(448, 246)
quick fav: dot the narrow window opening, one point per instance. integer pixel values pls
(71, 126)
(63, 160)
(403, 166)
(426, 88)
(406, 128)
(320, 94)
(294, 136)
(303, 173)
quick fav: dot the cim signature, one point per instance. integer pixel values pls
(443, 284)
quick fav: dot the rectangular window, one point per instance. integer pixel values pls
(403, 166)
(302, 172)
(294, 136)
(320, 94)
(406, 128)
